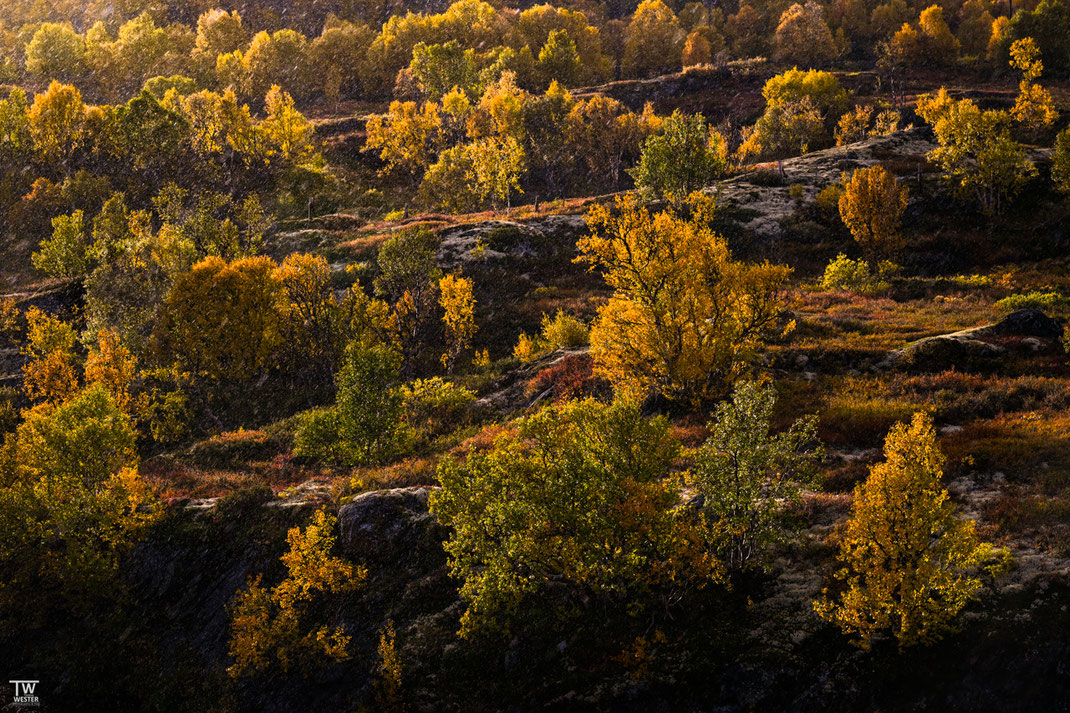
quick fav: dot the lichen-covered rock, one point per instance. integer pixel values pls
(1027, 330)
(1026, 323)
(391, 526)
(961, 350)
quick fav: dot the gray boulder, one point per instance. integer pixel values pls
(1026, 323)
(960, 350)
(1027, 330)
(391, 526)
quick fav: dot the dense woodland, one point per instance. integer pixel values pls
(360, 356)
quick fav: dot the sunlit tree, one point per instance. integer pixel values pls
(285, 626)
(871, 207)
(653, 40)
(575, 505)
(803, 37)
(907, 559)
(685, 319)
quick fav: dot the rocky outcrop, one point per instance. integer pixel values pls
(540, 238)
(762, 200)
(391, 527)
(1026, 330)
(1025, 323)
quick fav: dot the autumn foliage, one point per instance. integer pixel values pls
(871, 207)
(685, 319)
(908, 561)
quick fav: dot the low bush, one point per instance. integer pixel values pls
(849, 275)
(435, 404)
(570, 378)
(1044, 301)
(828, 200)
(564, 331)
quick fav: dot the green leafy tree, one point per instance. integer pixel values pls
(786, 129)
(1048, 24)
(1060, 161)
(408, 278)
(288, 134)
(558, 59)
(278, 58)
(364, 426)
(65, 254)
(976, 151)
(748, 476)
(56, 52)
(549, 153)
(218, 33)
(336, 53)
(907, 560)
(438, 68)
(576, 505)
(16, 140)
(536, 25)
(71, 503)
(684, 156)
(496, 166)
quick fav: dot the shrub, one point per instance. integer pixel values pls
(527, 347)
(849, 275)
(828, 200)
(316, 435)
(221, 320)
(564, 331)
(570, 378)
(435, 401)
(1047, 301)
(1060, 161)
(576, 504)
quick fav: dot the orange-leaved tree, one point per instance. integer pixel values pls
(871, 207)
(908, 561)
(685, 319)
(285, 625)
(221, 320)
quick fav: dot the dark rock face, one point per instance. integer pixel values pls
(961, 351)
(979, 348)
(390, 526)
(1026, 323)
